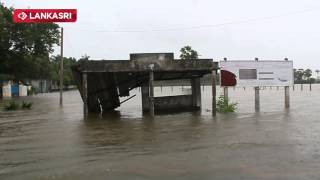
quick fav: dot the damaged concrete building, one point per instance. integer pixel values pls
(102, 83)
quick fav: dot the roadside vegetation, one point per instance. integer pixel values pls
(13, 106)
(304, 76)
(26, 105)
(26, 51)
(224, 106)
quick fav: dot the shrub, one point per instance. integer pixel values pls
(26, 105)
(12, 106)
(30, 91)
(224, 106)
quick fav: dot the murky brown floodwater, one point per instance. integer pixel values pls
(49, 142)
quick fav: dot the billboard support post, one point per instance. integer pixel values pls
(287, 94)
(225, 88)
(310, 86)
(257, 95)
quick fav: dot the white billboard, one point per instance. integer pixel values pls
(257, 73)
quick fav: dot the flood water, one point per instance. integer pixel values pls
(49, 142)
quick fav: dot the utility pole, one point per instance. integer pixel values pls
(61, 68)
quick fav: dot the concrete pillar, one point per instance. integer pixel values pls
(145, 97)
(214, 97)
(225, 93)
(151, 93)
(286, 97)
(286, 93)
(85, 92)
(225, 89)
(257, 98)
(196, 92)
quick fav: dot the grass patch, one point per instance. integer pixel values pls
(12, 106)
(26, 105)
(224, 106)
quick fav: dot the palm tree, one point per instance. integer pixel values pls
(307, 74)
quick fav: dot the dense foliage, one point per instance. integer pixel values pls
(55, 65)
(12, 106)
(25, 48)
(302, 76)
(188, 53)
(25, 51)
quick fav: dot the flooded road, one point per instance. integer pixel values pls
(49, 142)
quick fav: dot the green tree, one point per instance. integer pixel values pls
(25, 48)
(67, 73)
(307, 74)
(188, 53)
(298, 74)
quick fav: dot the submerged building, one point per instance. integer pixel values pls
(102, 83)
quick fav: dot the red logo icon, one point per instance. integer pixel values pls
(44, 15)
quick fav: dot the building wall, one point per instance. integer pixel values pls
(40, 86)
(173, 102)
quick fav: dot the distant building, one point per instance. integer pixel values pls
(40, 85)
(12, 89)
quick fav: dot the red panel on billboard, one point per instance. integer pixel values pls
(228, 78)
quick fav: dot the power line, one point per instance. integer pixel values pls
(204, 26)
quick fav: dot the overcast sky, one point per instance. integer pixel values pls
(236, 29)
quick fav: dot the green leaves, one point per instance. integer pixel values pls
(224, 106)
(188, 53)
(26, 105)
(67, 74)
(25, 48)
(303, 76)
(13, 106)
